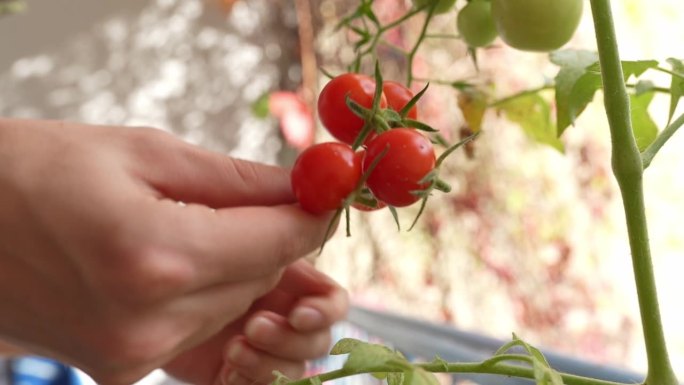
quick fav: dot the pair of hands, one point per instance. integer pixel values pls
(102, 268)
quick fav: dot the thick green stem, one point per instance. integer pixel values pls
(628, 170)
(461, 367)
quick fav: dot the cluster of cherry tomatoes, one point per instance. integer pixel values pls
(377, 160)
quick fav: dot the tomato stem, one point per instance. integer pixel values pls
(485, 367)
(660, 140)
(330, 229)
(414, 50)
(453, 148)
(347, 220)
(423, 203)
(628, 170)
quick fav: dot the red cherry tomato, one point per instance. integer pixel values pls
(398, 96)
(337, 118)
(324, 175)
(409, 158)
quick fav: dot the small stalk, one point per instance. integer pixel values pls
(662, 138)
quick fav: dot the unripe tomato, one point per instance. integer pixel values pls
(333, 111)
(324, 175)
(475, 24)
(398, 96)
(409, 158)
(443, 6)
(536, 25)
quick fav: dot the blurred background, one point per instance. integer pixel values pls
(530, 241)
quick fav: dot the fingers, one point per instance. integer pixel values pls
(239, 244)
(312, 313)
(286, 338)
(220, 305)
(187, 173)
(322, 301)
(271, 333)
(243, 362)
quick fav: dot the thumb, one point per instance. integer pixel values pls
(190, 174)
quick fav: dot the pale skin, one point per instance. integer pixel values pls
(102, 268)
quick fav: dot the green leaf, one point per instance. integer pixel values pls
(637, 68)
(533, 114)
(315, 381)
(380, 375)
(572, 99)
(578, 80)
(531, 350)
(676, 87)
(645, 129)
(630, 68)
(543, 373)
(419, 376)
(345, 346)
(365, 356)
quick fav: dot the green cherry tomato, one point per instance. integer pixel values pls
(443, 6)
(536, 25)
(475, 24)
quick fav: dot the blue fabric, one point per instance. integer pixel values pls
(41, 371)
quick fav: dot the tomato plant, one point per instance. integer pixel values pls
(324, 175)
(536, 25)
(400, 174)
(475, 23)
(398, 95)
(400, 165)
(335, 115)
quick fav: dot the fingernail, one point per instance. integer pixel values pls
(306, 318)
(261, 329)
(242, 355)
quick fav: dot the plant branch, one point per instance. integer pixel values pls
(663, 137)
(547, 87)
(460, 367)
(414, 50)
(628, 169)
(520, 94)
(669, 72)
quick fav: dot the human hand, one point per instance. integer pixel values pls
(283, 329)
(101, 268)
